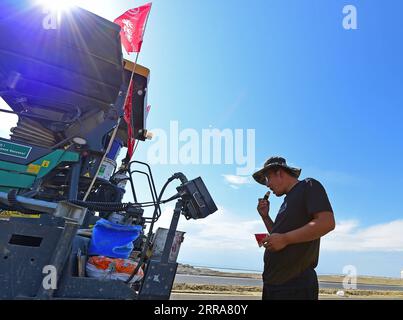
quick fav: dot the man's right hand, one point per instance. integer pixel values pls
(263, 208)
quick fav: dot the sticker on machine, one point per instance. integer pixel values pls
(14, 149)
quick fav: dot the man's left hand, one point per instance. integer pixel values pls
(275, 242)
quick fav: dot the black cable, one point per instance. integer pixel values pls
(147, 244)
(118, 206)
(102, 206)
(152, 203)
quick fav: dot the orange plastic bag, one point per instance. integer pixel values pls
(111, 268)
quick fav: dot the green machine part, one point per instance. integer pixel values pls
(16, 176)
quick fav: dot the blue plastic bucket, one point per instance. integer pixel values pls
(113, 240)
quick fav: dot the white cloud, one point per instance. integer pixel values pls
(224, 239)
(7, 120)
(234, 180)
(219, 231)
(225, 231)
(335, 177)
(348, 236)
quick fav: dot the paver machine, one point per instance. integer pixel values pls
(67, 83)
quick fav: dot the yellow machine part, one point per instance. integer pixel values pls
(7, 214)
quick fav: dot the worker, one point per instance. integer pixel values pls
(292, 245)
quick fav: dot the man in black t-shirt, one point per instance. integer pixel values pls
(292, 247)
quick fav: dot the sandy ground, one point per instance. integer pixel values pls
(190, 270)
(215, 292)
(195, 296)
(229, 292)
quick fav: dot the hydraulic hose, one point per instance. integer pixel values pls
(183, 179)
(103, 206)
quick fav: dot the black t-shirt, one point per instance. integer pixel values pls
(305, 199)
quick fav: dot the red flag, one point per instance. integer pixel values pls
(132, 24)
(127, 116)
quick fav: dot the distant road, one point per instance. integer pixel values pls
(215, 280)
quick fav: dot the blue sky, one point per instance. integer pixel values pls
(326, 98)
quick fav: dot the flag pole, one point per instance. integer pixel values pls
(119, 120)
(115, 130)
(131, 78)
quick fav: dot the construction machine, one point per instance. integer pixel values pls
(67, 82)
